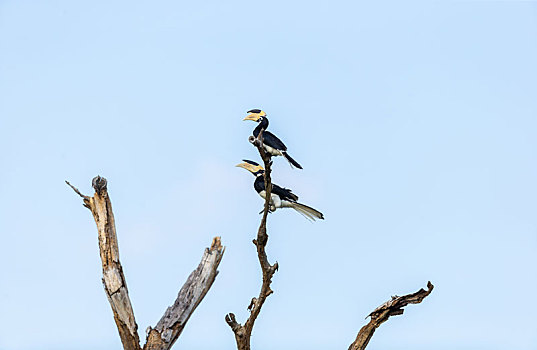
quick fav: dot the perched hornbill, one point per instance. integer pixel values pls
(280, 197)
(273, 145)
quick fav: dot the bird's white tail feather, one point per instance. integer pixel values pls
(308, 212)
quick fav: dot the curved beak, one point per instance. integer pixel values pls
(251, 168)
(254, 117)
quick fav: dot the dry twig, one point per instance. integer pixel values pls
(381, 314)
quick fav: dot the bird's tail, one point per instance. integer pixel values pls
(291, 160)
(308, 212)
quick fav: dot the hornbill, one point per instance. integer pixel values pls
(280, 197)
(273, 145)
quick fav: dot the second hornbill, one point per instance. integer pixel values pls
(273, 145)
(280, 197)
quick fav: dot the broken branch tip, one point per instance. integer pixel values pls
(99, 184)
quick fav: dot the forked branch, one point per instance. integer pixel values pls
(243, 333)
(381, 314)
(163, 336)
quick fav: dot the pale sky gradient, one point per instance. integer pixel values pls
(415, 122)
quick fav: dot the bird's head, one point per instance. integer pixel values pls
(252, 167)
(255, 115)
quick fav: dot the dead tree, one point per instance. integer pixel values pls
(243, 333)
(172, 323)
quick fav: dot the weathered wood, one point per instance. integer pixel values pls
(243, 333)
(115, 285)
(172, 323)
(381, 314)
(191, 294)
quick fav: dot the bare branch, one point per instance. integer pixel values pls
(84, 197)
(114, 281)
(170, 326)
(243, 333)
(381, 314)
(172, 323)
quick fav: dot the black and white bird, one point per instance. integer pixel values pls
(280, 197)
(273, 145)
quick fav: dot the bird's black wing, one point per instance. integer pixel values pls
(271, 140)
(284, 193)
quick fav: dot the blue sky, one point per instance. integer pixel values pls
(415, 124)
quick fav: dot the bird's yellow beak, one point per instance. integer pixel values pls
(242, 165)
(250, 167)
(254, 117)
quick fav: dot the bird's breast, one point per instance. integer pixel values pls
(273, 151)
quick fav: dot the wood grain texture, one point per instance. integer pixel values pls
(115, 285)
(381, 314)
(168, 329)
(172, 323)
(243, 333)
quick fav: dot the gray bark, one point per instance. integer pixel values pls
(172, 323)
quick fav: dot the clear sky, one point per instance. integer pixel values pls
(415, 123)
